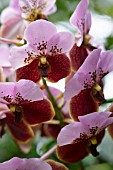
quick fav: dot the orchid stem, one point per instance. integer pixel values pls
(57, 109)
(47, 154)
(7, 41)
(109, 100)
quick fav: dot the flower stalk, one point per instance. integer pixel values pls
(57, 109)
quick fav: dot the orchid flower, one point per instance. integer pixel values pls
(12, 22)
(78, 139)
(36, 9)
(84, 88)
(94, 68)
(44, 55)
(25, 100)
(81, 19)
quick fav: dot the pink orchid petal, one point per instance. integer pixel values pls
(71, 132)
(18, 56)
(83, 75)
(59, 40)
(48, 6)
(51, 10)
(28, 90)
(81, 19)
(6, 90)
(18, 163)
(12, 27)
(79, 14)
(106, 124)
(88, 23)
(25, 5)
(4, 57)
(97, 120)
(90, 64)
(39, 31)
(5, 17)
(106, 62)
(74, 86)
(15, 5)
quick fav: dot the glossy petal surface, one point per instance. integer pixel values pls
(29, 72)
(72, 152)
(77, 56)
(60, 67)
(22, 164)
(82, 104)
(38, 112)
(20, 131)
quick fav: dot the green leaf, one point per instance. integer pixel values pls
(103, 166)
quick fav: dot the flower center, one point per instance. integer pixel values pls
(33, 15)
(43, 66)
(91, 146)
(97, 93)
(17, 111)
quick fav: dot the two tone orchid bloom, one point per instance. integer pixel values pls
(31, 164)
(25, 103)
(78, 139)
(12, 22)
(44, 55)
(84, 89)
(81, 19)
(36, 9)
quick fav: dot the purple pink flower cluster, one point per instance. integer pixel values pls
(38, 54)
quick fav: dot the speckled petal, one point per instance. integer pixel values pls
(105, 64)
(77, 56)
(78, 19)
(38, 112)
(59, 40)
(73, 133)
(95, 119)
(6, 91)
(72, 152)
(75, 152)
(60, 67)
(20, 131)
(28, 91)
(83, 77)
(82, 104)
(18, 56)
(29, 72)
